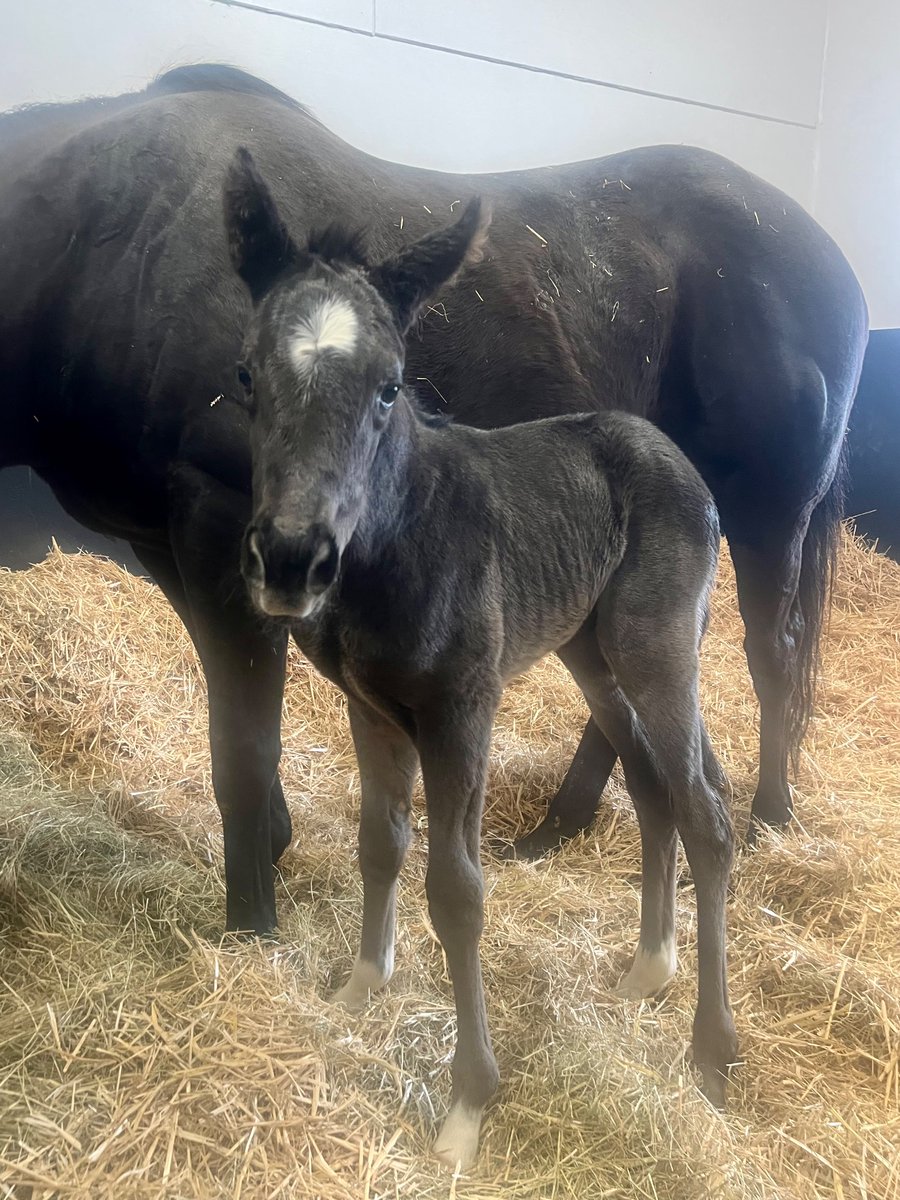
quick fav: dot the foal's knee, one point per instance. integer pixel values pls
(721, 832)
(455, 890)
(705, 825)
(713, 769)
(383, 842)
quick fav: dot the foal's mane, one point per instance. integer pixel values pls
(339, 245)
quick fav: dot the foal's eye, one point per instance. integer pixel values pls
(388, 395)
(245, 379)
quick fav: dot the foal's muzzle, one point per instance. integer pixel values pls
(289, 574)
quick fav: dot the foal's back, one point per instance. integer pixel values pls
(573, 508)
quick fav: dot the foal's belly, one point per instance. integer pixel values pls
(407, 661)
(517, 658)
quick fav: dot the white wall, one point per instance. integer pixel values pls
(442, 108)
(857, 187)
(495, 84)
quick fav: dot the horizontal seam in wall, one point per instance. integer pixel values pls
(512, 63)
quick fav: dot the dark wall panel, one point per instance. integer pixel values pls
(874, 498)
(30, 516)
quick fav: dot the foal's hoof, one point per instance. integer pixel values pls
(552, 833)
(649, 974)
(715, 1053)
(457, 1143)
(713, 1088)
(350, 997)
(365, 978)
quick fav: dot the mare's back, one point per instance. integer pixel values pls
(114, 256)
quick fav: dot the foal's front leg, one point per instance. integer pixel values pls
(454, 749)
(387, 769)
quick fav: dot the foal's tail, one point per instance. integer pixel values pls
(817, 573)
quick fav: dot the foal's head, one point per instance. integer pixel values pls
(322, 379)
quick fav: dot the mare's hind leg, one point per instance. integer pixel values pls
(645, 698)
(161, 565)
(387, 769)
(767, 569)
(573, 808)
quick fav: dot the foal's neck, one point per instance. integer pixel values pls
(393, 488)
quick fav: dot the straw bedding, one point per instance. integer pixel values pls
(140, 1056)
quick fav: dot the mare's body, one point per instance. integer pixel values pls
(691, 292)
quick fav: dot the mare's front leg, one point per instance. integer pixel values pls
(244, 664)
(387, 770)
(160, 562)
(453, 745)
(245, 672)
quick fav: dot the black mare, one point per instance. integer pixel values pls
(419, 568)
(663, 281)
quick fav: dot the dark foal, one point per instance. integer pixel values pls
(420, 567)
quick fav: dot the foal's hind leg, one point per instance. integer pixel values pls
(387, 769)
(647, 703)
(656, 959)
(668, 715)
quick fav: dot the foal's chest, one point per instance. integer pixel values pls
(385, 669)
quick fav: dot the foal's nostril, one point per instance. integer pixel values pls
(323, 565)
(289, 571)
(256, 568)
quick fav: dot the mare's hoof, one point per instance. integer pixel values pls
(552, 833)
(759, 825)
(250, 935)
(772, 808)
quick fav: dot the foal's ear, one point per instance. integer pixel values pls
(258, 241)
(411, 278)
